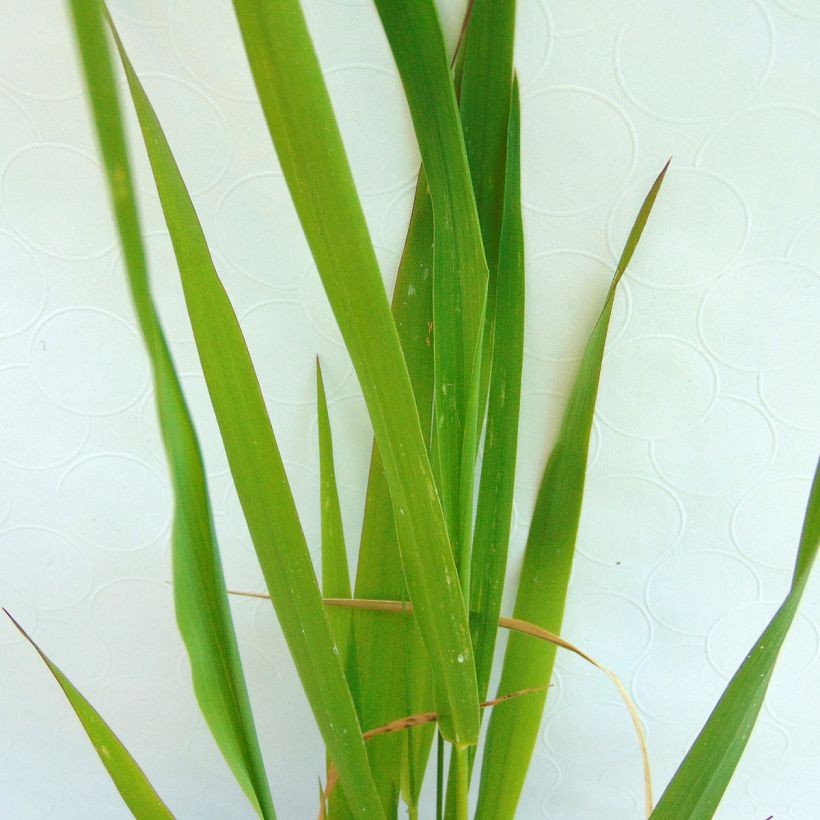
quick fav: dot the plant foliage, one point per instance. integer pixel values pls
(440, 371)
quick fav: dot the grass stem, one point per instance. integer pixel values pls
(462, 780)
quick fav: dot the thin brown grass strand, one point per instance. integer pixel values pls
(525, 628)
(410, 722)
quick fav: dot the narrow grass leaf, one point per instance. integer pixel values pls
(335, 571)
(502, 359)
(484, 83)
(459, 267)
(485, 93)
(524, 628)
(699, 783)
(258, 470)
(393, 676)
(416, 720)
(547, 563)
(496, 487)
(300, 119)
(128, 777)
(202, 608)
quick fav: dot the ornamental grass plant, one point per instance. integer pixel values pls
(395, 662)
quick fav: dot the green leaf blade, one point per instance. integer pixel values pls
(393, 676)
(547, 564)
(305, 134)
(459, 267)
(697, 787)
(258, 470)
(132, 784)
(201, 603)
(335, 572)
(496, 487)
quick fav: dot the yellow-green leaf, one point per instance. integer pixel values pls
(127, 776)
(202, 607)
(699, 783)
(258, 470)
(547, 563)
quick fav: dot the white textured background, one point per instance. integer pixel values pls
(705, 440)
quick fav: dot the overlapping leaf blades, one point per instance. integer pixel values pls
(258, 471)
(199, 587)
(473, 212)
(459, 267)
(300, 119)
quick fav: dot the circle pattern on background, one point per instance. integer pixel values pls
(50, 71)
(577, 149)
(568, 283)
(582, 16)
(217, 34)
(131, 697)
(628, 520)
(259, 233)
(22, 287)
(60, 434)
(375, 123)
(665, 387)
(767, 522)
(142, 12)
(572, 730)
(725, 453)
(772, 155)
(286, 354)
(802, 8)
(396, 220)
(771, 290)
(723, 582)
(40, 183)
(695, 75)
(137, 508)
(706, 459)
(674, 680)
(153, 633)
(5, 497)
(45, 567)
(730, 638)
(533, 39)
(792, 398)
(605, 626)
(88, 361)
(789, 693)
(699, 226)
(589, 800)
(19, 129)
